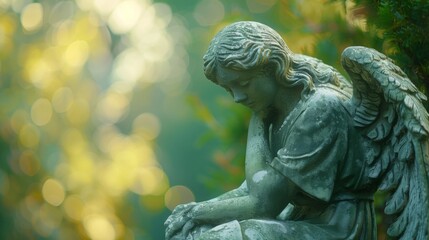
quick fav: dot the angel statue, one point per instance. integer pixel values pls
(318, 146)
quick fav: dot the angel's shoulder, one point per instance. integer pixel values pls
(326, 105)
(328, 100)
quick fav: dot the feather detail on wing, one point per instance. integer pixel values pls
(387, 109)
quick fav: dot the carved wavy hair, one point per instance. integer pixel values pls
(251, 45)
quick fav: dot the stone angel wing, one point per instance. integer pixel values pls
(387, 109)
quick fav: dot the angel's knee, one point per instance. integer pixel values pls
(230, 230)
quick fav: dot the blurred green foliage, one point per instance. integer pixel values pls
(230, 153)
(404, 25)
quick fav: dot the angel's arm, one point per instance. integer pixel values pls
(268, 191)
(237, 192)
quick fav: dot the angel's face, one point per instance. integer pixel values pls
(252, 88)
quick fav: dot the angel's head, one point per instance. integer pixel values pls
(249, 48)
(246, 46)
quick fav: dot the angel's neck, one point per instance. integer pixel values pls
(285, 101)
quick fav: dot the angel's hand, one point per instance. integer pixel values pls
(185, 233)
(180, 209)
(176, 225)
(178, 220)
(187, 229)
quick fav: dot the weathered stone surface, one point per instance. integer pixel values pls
(318, 147)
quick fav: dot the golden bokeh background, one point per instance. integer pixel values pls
(71, 70)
